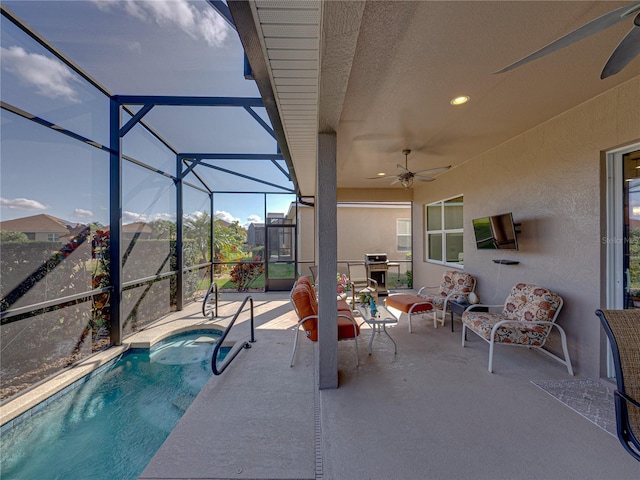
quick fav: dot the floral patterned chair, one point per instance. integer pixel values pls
(528, 315)
(454, 284)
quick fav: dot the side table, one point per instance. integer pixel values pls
(382, 319)
(458, 308)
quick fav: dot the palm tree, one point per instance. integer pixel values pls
(198, 228)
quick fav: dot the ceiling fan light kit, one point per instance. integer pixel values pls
(406, 176)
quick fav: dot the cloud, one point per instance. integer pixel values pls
(130, 217)
(80, 213)
(226, 216)
(22, 204)
(196, 22)
(135, 47)
(254, 219)
(51, 77)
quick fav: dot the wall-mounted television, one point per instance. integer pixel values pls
(496, 232)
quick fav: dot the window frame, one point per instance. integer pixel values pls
(442, 232)
(404, 235)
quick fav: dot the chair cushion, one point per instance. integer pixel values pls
(483, 322)
(463, 282)
(305, 307)
(345, 327)
(404, 302)
(343, 306)
(303, 297)
(530, 302)
(448, 284)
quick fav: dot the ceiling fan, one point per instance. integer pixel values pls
(406, 176)
(624, 53)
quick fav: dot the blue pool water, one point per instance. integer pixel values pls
(111, 425)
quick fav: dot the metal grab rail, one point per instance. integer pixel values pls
(231, 355)
(213, 290)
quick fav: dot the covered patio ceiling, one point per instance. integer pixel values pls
(381, 74)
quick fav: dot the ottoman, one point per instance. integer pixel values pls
(409, 304)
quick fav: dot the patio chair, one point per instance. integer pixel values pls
(360, 282)
(305, 304)
(528, 315)
(453, 285)
(314, 273)
(623, 330)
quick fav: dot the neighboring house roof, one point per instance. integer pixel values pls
(223, 223)
(135, 227)
(40, 223)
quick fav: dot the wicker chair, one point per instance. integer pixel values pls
(623, 329)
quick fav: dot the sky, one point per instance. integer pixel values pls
(174, 47)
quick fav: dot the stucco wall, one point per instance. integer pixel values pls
(361, 229)
(551, 179)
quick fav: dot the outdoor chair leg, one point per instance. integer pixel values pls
(295, 344)
(491, 344)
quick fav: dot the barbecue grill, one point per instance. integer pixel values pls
(377, 267)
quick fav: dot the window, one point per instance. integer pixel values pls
(403, 227)
(444, 232)
(53, 237)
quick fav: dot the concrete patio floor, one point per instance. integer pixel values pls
(431, 411)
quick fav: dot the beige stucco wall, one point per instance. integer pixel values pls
(551, 178)
(361, 229)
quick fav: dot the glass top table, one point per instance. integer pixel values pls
(378, 323)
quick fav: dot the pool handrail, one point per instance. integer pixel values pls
(213, 289)
(231, 355)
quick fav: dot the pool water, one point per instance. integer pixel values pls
(110, 426)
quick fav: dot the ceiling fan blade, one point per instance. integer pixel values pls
(395, 180)
(434, 170)
(402, 169)
(594, 26)
(378, 177)
(424, 179)
(625, 52)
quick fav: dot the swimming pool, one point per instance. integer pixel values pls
(111, 425)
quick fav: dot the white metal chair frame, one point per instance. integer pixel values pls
(526, 323)
(317, 318)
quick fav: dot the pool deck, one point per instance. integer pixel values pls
(431, 411)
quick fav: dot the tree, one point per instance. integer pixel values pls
(13, 237)
(163, 229)
(198, 228)
(229, 240)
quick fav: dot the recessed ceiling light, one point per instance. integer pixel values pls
(460, 100)
(381, 174)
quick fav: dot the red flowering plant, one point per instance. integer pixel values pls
(245, 273)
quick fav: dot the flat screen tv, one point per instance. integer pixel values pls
(496, 232)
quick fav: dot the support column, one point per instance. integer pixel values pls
(115, 222)
(327, 234)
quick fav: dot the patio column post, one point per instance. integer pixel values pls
(326, 230)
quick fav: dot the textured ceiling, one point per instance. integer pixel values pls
(388, 70)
